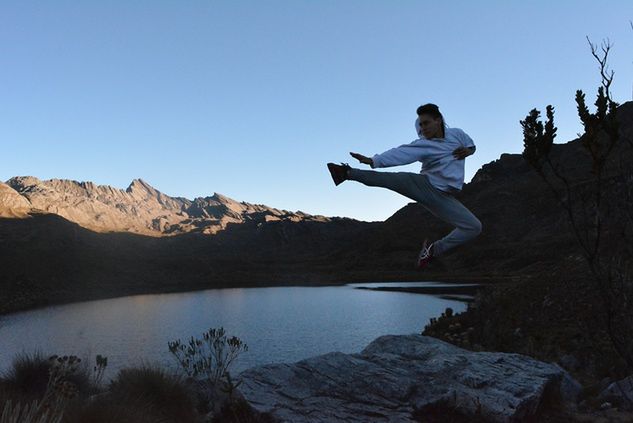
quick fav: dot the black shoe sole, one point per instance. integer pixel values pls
(335, 173)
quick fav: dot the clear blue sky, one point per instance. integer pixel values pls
(250, 99)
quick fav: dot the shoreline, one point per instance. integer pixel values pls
(465, 294)
(35, 304)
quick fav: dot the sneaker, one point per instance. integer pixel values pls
(426, 255)
(338, 172)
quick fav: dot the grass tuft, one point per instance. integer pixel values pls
(27, 378)
(167, 396)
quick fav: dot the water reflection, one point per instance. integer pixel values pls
(278, 324)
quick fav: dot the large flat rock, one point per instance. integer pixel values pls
(396, 376)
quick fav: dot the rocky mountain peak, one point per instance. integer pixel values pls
(507, 165)
(143, 190)
(20, 183)
(139, 185)
(222, 199)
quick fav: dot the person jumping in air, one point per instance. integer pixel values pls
(442, 151)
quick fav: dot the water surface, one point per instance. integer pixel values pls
(279, 324)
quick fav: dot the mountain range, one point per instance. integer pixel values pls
(140, 208)
(66, 241)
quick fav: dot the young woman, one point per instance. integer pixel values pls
(442, 151)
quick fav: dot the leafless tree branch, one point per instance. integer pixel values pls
(607, 76)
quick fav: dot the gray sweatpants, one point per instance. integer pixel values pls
(418, 188)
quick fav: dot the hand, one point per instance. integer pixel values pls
(362, 159)
(462, 152)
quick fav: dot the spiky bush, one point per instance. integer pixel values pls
(27, 378)
(597, 206)
(211, 356)
(38, 389)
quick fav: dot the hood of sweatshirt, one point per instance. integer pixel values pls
(418, 130)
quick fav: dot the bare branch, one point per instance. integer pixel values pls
(607, 76)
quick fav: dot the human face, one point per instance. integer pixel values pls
(431, 127)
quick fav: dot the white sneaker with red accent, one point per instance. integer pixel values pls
(426, 255)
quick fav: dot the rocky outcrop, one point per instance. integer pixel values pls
(12, 204)
(400, 378)
(139, 209)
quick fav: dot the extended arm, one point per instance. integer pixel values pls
(363, 159)
(402, 155)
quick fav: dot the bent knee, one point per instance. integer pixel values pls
(475, 228)
(478, 227)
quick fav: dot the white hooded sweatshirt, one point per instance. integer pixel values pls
(443, 170)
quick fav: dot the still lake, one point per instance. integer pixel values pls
(279, 324)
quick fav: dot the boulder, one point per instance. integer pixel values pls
(397, 378)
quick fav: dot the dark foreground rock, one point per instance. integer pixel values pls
(620, 393)
(397, 378)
